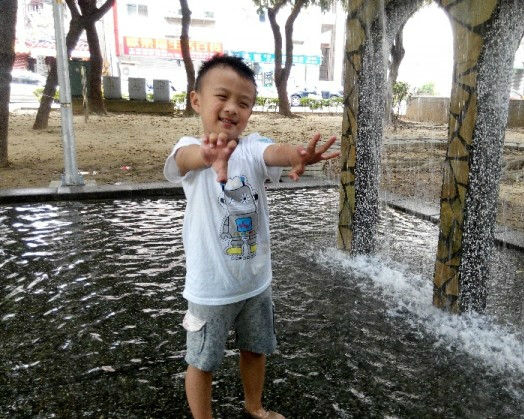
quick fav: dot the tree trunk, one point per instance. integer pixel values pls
(91, 15)
(397, 54)
(96, 100)
(186, 54)
(397, 13)
(282, 73)
(72, 37)
(78, 23)
(8, 10)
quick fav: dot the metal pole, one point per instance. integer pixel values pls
(71, 176)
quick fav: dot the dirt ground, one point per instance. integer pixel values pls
(131, 148)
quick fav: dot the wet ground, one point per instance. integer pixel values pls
(90, 313)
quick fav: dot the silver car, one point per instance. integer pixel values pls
(24, 83)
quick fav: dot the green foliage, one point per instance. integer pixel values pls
(311, 103)
(334, 104)
(261, 4)
(267, 103)
(179, 98)
(337, 102)
(401, 93)
(39, 92)
(427, 89)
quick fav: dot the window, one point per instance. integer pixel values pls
(137, 10)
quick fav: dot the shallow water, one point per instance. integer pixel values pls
(90, 313)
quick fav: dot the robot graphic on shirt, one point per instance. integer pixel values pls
(240, 224)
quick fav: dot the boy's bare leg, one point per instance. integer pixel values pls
(198, 392)
(252, 370)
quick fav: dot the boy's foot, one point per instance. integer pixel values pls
(263, 414)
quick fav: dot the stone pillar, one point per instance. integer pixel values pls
(371, 28)
(362, 126)
(486, 37)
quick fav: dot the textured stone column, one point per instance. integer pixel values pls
(371, 28)
(486, 36)
(362, 126)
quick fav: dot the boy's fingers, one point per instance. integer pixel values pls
(312, 146)
(221, 173)
(293, 175)
(314, 140)
(328, 156)
(221, 139)
(302, 151)
(324, 147)
(212, 139)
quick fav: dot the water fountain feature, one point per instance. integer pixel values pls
(90, 313)
(370, 29)
(486, 38)
(91, 305)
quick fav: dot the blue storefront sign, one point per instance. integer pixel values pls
(269, 58)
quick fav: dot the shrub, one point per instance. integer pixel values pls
(267, 103)
(39, 92)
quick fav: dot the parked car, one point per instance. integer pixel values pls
(24, 83)
(330, 89)
(296, 95)
(330, 94)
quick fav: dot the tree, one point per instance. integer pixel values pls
(282, 72)
(396, 55)
(399, 15)
(371, 27)
(8, 10)
(79, 21)
(186, 55)
(90, 15)
(401, 93)
(427, 89)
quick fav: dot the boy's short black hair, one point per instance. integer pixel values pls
(237, 64)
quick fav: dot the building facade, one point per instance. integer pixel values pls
(147, 40)
(141, 38)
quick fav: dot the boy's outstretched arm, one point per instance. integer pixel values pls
(298, 157)
(214, 152)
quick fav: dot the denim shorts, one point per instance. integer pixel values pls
(208, 328)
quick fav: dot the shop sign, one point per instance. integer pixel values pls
(269, 58)
(169, 48)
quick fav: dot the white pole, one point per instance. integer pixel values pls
(71, 176)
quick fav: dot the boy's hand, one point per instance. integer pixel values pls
(215, 151)
(311, 155)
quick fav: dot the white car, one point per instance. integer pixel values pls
(23, 85)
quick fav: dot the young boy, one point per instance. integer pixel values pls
(226, 231)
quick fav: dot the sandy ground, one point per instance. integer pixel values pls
(131, 148)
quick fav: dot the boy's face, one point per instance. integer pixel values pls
(224, 102)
